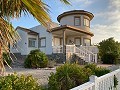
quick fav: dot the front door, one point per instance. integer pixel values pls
(77, 42)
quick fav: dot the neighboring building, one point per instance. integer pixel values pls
(72, 36)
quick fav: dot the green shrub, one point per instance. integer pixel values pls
(109, 58)
(36, 59)
(68, 76)
(92, 67)
(7, 59)
(101, 71)
(15, 82)
(98, 71)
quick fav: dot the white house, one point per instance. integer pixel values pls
(72, 36)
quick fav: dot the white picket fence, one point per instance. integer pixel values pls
(105, 82)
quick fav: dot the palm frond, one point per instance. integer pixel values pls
(7, 34)
(66, 1)
(37, 8)
(15, 8)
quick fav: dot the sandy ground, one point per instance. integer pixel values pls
(40, 74)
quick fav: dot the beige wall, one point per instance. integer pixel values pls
(69, 20)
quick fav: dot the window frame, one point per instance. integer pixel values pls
(75, 21)
(40, 42)
(32, 39)
(84, 22)
(87, 39)
(14, 46)
(79, 39)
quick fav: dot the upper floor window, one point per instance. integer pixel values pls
(77, 21)
(86, 22)
(31, 42)
(42, 42)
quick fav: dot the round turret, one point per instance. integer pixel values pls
(77, 18)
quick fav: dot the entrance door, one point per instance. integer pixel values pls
(77, 42)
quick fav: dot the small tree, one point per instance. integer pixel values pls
(36, 59)
(109, 48)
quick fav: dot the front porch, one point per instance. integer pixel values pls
(69, 40)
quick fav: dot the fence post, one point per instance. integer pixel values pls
(93, 78)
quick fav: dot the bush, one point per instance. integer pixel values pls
(109, 58)
(36, 59)
(14, 82)
(7, 59)
(98, 71)
(68, 76)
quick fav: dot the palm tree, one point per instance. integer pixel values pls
(10, 9)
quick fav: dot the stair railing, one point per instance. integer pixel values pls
(92, 57)
(83, 54)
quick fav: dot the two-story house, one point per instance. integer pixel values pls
(72, 36)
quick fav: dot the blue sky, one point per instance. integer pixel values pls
(105, 24)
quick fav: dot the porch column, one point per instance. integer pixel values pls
(64, 51)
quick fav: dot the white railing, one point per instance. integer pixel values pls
(105, 82)
(93, 49)
(58, 49)
(86, 55)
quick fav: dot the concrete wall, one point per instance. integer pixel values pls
(43, 33)
(69, 20)
(22, 45)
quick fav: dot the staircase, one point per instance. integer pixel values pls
(83, 54)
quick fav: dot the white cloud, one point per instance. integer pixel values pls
(84, 3)
(114, 4)
(105, 31)
(110, 27)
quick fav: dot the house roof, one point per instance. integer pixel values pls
(27, 30)
(73, 12)
(71, 28)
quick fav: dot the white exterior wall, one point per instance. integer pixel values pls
(43, 33)
(69, 20)
(22, 45)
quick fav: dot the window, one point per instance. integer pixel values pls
(31, 42)
(87, 42)
(14, 46)
(42, 42)
(77, 21)
(86, 22)
(77, 42)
